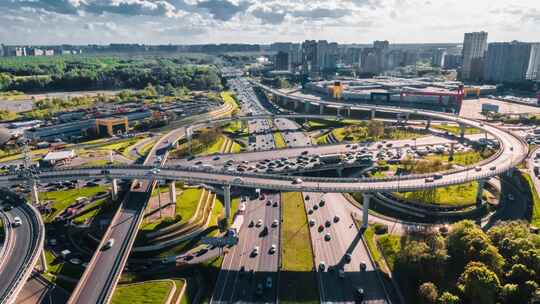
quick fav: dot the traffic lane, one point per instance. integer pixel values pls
(350, 235)
(334, 289)
(105, 259)
(19, 248)
(226, 289)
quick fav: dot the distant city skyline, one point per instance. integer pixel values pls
(264, 22)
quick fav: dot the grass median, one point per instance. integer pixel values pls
(535, 217)
(297, 279)
(64, 198)
(152, 292)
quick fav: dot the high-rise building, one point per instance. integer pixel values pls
(533, 71)
(438, 57)
(511, 61)
(452, 61)
(474, 47)
(372, 60)
(318, 57)
(281, 62)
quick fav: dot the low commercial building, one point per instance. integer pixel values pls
(58, 158)
(112, 126)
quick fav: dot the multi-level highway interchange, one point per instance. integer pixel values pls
(338, 252)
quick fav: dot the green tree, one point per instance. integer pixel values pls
(519, 274)
(448, 298)
(479, 284)
(510, 294)
(467, 242)
(428, 293)
(375, 129)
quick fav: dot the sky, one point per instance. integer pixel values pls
(264, 21)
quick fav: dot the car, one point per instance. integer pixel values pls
(359, 293)
(259, 223)
(16, 222)
(327, 223)
(306, 197)
(348, 258)
(188, 257)
(311, 222)
(268, 282)
(264, 232)
(275, 223)
(315, 207)
(297, 181)
(242, 270)
(363, 266)
(75, 261)
(429, 180)
(259, 289)
(272, 249)
(322, 203)
(215, 158)
(510, 197)
(437, 176)
(8, 208)
(255, 251)
(336, 219)
(327, 237)
(341, 273)
(268, 203)
(321, 228)
(322, 266)
(310, 211)
(492, 168)
(478, 168)
(109, 244)
(275, 204)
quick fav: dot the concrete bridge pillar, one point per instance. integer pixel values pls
(339, 172)
(295, 104)
(306, 107)
(172, 192)
(481, 183)
(338, 111)
(321, 109)
(349, 112)
(373, 113)
(111, 157)
(407, 115)
(114, 190)
(451, 152)
(189, 135)
(35, 193)
(461, 131)
(43, 261)
(366, 197)
(428, 123)
(227, 198)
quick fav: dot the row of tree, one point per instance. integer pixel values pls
(106, 73)
(472, 266)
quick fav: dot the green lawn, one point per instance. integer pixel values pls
(457, 195)
(64, 198)
(455, 129)
(297, 279)
(215, 147)
(152, 292)
(187, 202)
(89, 211)
(147, 147)
(535, 218)
(359, 133)
(369, 237)
(228, 98)
(390, 246)
(280, 141)
(461, 158)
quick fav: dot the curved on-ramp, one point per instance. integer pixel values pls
(23, 246)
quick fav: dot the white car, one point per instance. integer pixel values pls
(109, 244)
(17, 222)
(255, 251)
(259, 223)
(322, 266)
(272, 249)
(275, 223)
